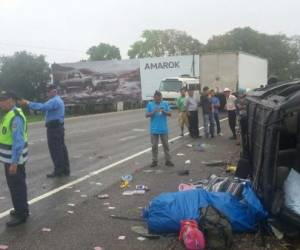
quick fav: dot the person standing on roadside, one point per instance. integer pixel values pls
(158, 111)
(207, 109)
(215, 108)
(241, 113)
(231, 110)
(54, 110)
(14, 155)
(182, 114)
(191, 105)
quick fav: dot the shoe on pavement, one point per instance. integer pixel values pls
(53, 175)
(220, 134)
(16, 220)
(169, 164)
(153, 164)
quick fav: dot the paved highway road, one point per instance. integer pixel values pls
(93, 142)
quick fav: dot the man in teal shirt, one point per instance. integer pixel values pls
(158, 111)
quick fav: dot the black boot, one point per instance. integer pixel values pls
(16, 220)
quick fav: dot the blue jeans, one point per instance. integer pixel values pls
(209, 124)
(217, 121)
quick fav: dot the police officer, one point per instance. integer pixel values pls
(54, 110)
(14, 155)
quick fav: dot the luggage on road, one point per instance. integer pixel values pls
(216, 228)
(191, 236)
(167, 210)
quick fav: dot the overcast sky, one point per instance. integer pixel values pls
(63, 30)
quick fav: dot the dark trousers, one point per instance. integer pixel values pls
(18, 189)
(217, 120)
(58, 150)
(232, 121)
(193, 124)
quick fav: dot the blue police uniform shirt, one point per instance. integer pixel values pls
(215, 101)
(54, 108)
(158, 122)
(18, 138)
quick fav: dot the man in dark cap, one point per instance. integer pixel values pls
(14, 155)
(54, 110)
(158, 111)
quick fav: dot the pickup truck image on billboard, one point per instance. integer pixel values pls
(98, 82)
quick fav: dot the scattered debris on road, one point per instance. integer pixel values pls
(103, 196)
(187, 162)
(214, 163)
(133, 192)
(183, 172)
(142, 231)
(231, 169)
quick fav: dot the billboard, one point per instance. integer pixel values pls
(98, 81)
(154, 70)
(119, 80)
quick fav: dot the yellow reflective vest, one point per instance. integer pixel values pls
(6, 137)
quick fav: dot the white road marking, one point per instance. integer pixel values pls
(128, 138)
(139, 130)
(92, 174)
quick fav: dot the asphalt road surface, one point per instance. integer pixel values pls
(94, 143)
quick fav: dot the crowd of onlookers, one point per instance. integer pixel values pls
(211, 107)
(188, 107)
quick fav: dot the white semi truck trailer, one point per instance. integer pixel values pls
(234, 70)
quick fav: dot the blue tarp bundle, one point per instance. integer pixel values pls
(167, 210)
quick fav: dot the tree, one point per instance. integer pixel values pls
(103, 51)
(276, 48)
(26, 74)
(164, 42)
(295, 67)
